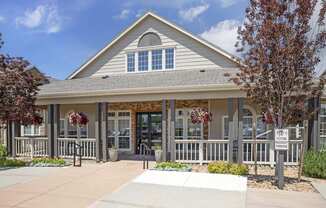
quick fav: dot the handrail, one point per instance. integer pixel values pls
(144, 150)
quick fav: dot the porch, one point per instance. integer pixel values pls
(164, 123)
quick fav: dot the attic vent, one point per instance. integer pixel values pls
(202, 70)
(105, 77)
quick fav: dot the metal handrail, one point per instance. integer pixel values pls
(144, 151)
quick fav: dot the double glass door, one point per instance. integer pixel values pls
(149, 130)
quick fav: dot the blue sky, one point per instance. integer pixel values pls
(57, 36)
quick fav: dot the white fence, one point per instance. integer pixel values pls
(38, 147)
(265, 152)
(201, 151)
(205, 151)
(66, 147)
(31, 146)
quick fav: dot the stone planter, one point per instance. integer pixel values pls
(113, 154)
(158, 156)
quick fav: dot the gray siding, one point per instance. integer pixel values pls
(190, 54)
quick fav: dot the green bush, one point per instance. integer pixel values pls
(172, 166)
(45, 160)
(228, 168)
(315, 164)
(3, 152)
(11, 163)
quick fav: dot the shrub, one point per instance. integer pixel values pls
(315, 164)
(49, 161)
(3, 152)
(12, 163)
(228, 168)
(172, 166)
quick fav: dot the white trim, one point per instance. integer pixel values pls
(223, 125)
(209, 45)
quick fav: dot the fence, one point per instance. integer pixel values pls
(38, 147)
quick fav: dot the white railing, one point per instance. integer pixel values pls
(66, 147)
(265, 152)
(201, 151)
(31, 146)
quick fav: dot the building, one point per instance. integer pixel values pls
(142, 87)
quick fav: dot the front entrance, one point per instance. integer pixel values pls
(149, 130)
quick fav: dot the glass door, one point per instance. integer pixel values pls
(149, 130)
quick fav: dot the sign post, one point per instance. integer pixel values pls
(281, 145)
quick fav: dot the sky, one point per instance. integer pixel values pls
(57, 36)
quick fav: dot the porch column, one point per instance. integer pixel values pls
(98, 131)
(13, 130)
(9, 138)
(104, 128)
(51, 130)
(230, 107)
(314, 105)
(56, 128)
(240, 128)
(172, 130)
(164, 130)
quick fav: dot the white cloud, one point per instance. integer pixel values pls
(193, 12)
(45, 18)
(2, 19)
(223, 34)
(123, 14)
(227, 3)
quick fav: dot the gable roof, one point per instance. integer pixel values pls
(151, 14)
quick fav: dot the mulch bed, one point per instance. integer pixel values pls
(265, 178)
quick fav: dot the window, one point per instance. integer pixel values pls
(131, 62)
(157, 59)
(72, 130)
(169, 58)
(143, 61)
(322, 131)
(185, 129)
(225, 123)
(119, 130)
(149, 39)
(32, 130)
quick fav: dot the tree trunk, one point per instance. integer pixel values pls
(303, 148)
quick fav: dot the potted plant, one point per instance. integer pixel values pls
(113, 153)
(158, 153)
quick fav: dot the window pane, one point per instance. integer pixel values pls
(123, 127)
(111, 114)
(194, 130)
(261, 127)
(124, 114)
(247, 127)
(111, 128)
(36, 130)
(72, 130)
(62, 127)
(143, 61)
(169, 58)
(131, 62)
(124, 142)
(157, 59)
(28, 130)
(179, 128)
(226, 127)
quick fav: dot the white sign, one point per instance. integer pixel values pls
(281, 139)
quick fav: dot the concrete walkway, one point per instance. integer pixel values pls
(163, 189)
(63, 187)
(321, 187)
(258, 198)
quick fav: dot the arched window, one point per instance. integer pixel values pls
(149, 39)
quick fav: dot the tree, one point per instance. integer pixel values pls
(18, 90)
(278, 59)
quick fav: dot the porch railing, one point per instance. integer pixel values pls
(31, 146)
(66, 147)
(201, 151)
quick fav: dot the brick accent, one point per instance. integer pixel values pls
(154, 106)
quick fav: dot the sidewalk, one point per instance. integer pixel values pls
(64, 187)
(258, 198)
(321, 187)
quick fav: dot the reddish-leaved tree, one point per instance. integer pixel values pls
(279, 58)
(18, 89)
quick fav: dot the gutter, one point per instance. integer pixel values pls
(151, 90)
